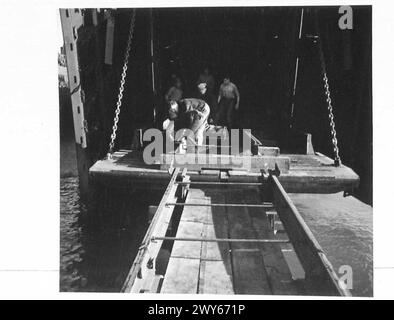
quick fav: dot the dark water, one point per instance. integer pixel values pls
(72, 252)
(98, 259)
(343, 228)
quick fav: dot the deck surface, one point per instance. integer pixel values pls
(227, 268)
(307, 173)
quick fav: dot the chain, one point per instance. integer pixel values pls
(337, 159)
(121, 87)
(331, 118)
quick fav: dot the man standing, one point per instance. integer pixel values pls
(208, 97)
(228, 101)
(190, 114)
(175, 92)
(207, 78)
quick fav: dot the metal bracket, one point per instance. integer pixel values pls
(275, 172)
(149, 264)
(267, 173)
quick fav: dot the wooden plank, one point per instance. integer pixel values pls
(181, 276)
(249, 274)
(279, 275)
(195, 213)
(295, 267)
(195, 193)
(201, 205)
(215, 274)
(320, 277)
(188, 249)
(222, 184)
(215, 277)
(185, 255)
(248, 269)
(216, 226)
(268, 151)
(219, 251)
(141, 270)
(215, 268)
(227, 150)
(204, 214)
(241, 162)
(156, 284)
(221, 240)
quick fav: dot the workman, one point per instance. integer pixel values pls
(228, 101)
(190, 114)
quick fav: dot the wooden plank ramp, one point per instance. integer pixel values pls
(225, 239)
(223, 267)
(200, 267)
(278, 273)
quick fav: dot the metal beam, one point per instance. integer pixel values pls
(221, 240)
(213, 183)
(148, 251)
(320, 276)
(153, 67)
(267, 206)
(296, 69)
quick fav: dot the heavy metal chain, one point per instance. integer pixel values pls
(337, 159)
(331, 118)
(121, 87)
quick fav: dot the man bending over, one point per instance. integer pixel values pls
(190, 114)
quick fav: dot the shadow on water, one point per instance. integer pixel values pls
(98, 247)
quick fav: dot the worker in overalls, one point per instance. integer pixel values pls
(190, 114)
(228, 101)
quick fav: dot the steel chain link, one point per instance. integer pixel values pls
(337, 159)
(331, 118)
(121, 87)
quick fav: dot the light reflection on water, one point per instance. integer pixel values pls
(98, 260)
(343, 228)
(71, 250)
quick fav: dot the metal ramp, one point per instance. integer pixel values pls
(230, 238)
